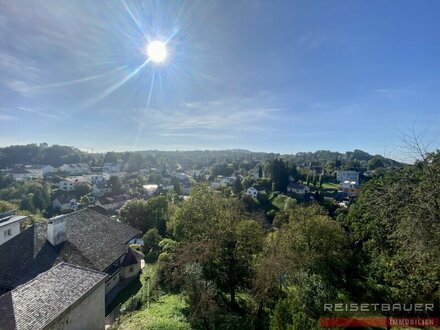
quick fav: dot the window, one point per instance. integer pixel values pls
(8, 233)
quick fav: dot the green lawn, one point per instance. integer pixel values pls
(330, 186)
(135, 287)
(165, 314)
(279, 201)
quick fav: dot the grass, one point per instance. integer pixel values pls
(165, 314)
(135, 287)
(330, 186)
(279, 201)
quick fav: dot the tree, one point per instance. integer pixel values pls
(303, 264)
(135, 214)
(111, 157)
(237, 187)
(144, 215)
(375, 163)
(279, 175)
(38, 200)
(213, 230)
(151, 243)
(395, 221)
(27, 204)
(82, 189)
(135, 162)
(85, 200)
(7, 206)
(116, 184)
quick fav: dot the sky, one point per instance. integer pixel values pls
(277, 76)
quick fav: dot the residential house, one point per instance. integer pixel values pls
(65, 203)
(94, 178)
(10, 225)
(65, 297)
(351, 188)
(318, 170)
(297, 188)
(111, 168)
(66, 185)
(40, 170)
(21, 174)
(342, 176)
(100, 188)
(111, 203)
(132, 264)
(75, 169)
(84, 238)
(150, 189)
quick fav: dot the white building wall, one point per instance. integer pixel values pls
(342, 176)
(9, 231)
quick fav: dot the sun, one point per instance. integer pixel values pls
(157, 51)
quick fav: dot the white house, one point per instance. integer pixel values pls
(21, 174)
(40, 170)
(75, 169)
(66, 185)
(298, 188)
(352, 188)
(252, 191)
(10, 225)
(342, 176)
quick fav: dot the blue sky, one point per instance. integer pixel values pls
(281, 76)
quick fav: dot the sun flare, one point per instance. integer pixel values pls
(157, 51)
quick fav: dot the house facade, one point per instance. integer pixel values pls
(65, 203)
(75, 169)
(342, 176)
(10, 225)
(66, 185)
(351, 188)
(40, 170)
(298, 188)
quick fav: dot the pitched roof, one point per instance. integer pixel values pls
(38, 302)
(93, 241)
(132, 257)
(7, 220)
(19, 171)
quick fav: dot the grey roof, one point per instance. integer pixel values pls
(35, 304)
(93, 241)
(11, 219)
(132, 257)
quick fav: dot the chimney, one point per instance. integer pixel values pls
(56, 230)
